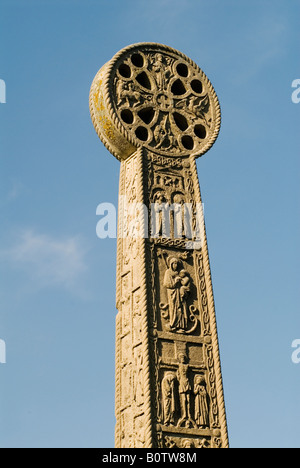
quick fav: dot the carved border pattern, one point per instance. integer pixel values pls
(143, 412)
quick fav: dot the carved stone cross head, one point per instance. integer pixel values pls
(152, 96)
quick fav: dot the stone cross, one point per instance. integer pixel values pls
(156, 112)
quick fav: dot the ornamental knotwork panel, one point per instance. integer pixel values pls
(171, 441)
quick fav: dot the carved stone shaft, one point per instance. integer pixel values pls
(156, 111)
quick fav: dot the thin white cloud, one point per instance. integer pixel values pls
(14, 191)
(46, 260)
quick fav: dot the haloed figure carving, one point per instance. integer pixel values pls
(177, 282)
(179, 217)
(159, 207)
(201, 405)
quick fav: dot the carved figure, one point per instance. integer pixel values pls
(179, 216)
(124, 92)
(184, 388)
(158, 68)
(159, 207)
(177, 283)
(201, 405)
(168, 395)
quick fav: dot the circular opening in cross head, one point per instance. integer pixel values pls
(182, 70)
(137, 60)
(143, 80)
(200, 131)
(124, 70)
(188, 142)
(178, 88)
(146, 114)
(180, 121)
(142, 133)
(197, 86)
(127, 116)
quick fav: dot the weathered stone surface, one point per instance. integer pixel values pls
(156, 111)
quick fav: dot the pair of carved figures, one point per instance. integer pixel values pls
(169, 219)
(174, 384)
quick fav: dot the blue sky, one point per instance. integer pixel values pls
(57, 279)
